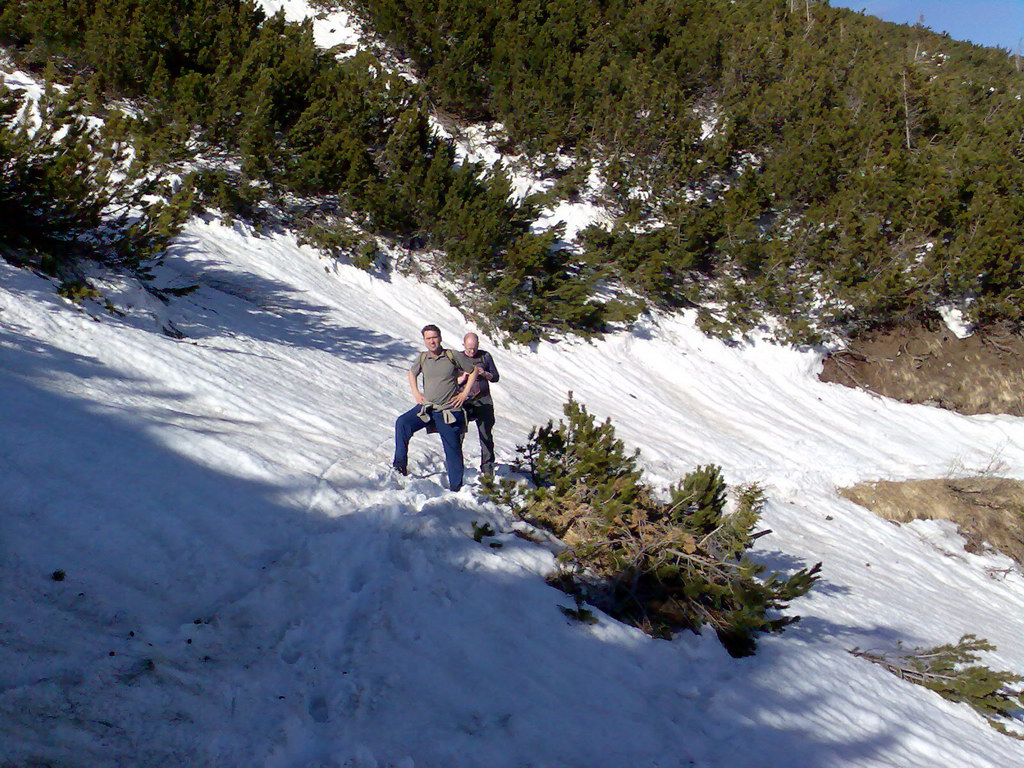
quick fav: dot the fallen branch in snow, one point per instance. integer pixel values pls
(952, 671)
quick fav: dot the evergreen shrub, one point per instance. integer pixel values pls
(805, 163)
(814, 166)
(230, 193)
(77, 291)
(225, 79)
(659, 564)
(69, 189)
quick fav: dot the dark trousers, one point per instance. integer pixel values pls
(409, 423)
(483, 415)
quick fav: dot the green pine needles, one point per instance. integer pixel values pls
(661, 565)
(894, 189)
(350, 139)
(807, 163)
(953, 672)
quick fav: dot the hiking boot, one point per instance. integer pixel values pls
(400, 469)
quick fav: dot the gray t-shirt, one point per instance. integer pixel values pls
(440, 377)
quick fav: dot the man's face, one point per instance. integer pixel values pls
(432, 341)
(470, 344)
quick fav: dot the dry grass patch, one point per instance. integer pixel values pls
(988, 510)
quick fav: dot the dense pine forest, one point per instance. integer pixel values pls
(765, 160)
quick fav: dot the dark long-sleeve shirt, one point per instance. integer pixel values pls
(486, 362)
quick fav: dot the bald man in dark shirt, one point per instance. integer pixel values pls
(480, 405)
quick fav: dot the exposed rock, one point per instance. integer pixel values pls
(983, 373)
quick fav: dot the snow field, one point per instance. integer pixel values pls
(238, 478)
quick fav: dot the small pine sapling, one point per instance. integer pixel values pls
(699, 499)
(480, 531)
(78, 291)
(579, 613)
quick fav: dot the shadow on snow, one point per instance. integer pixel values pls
(204, 622)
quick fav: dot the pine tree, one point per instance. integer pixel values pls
(662, 566)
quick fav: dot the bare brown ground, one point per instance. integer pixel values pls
(983, 373)
(988, 510)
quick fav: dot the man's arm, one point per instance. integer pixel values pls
(460, 398)
(414, 388)
(490, 369)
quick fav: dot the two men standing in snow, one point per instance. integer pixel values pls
(449, 380)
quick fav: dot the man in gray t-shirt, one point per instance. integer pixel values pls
(440, 403)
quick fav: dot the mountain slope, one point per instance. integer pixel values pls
(237, 478)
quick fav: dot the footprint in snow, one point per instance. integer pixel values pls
(318, 709)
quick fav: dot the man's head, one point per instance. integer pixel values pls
(432, 338)
(471, 344)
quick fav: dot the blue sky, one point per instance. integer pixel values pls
(987, 22)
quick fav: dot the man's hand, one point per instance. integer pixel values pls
(460, 398)
(419, 397)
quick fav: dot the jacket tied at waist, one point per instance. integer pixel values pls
(448, 414)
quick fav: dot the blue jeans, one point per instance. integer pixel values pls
(409, 423)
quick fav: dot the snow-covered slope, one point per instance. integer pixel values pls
(244, 586)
